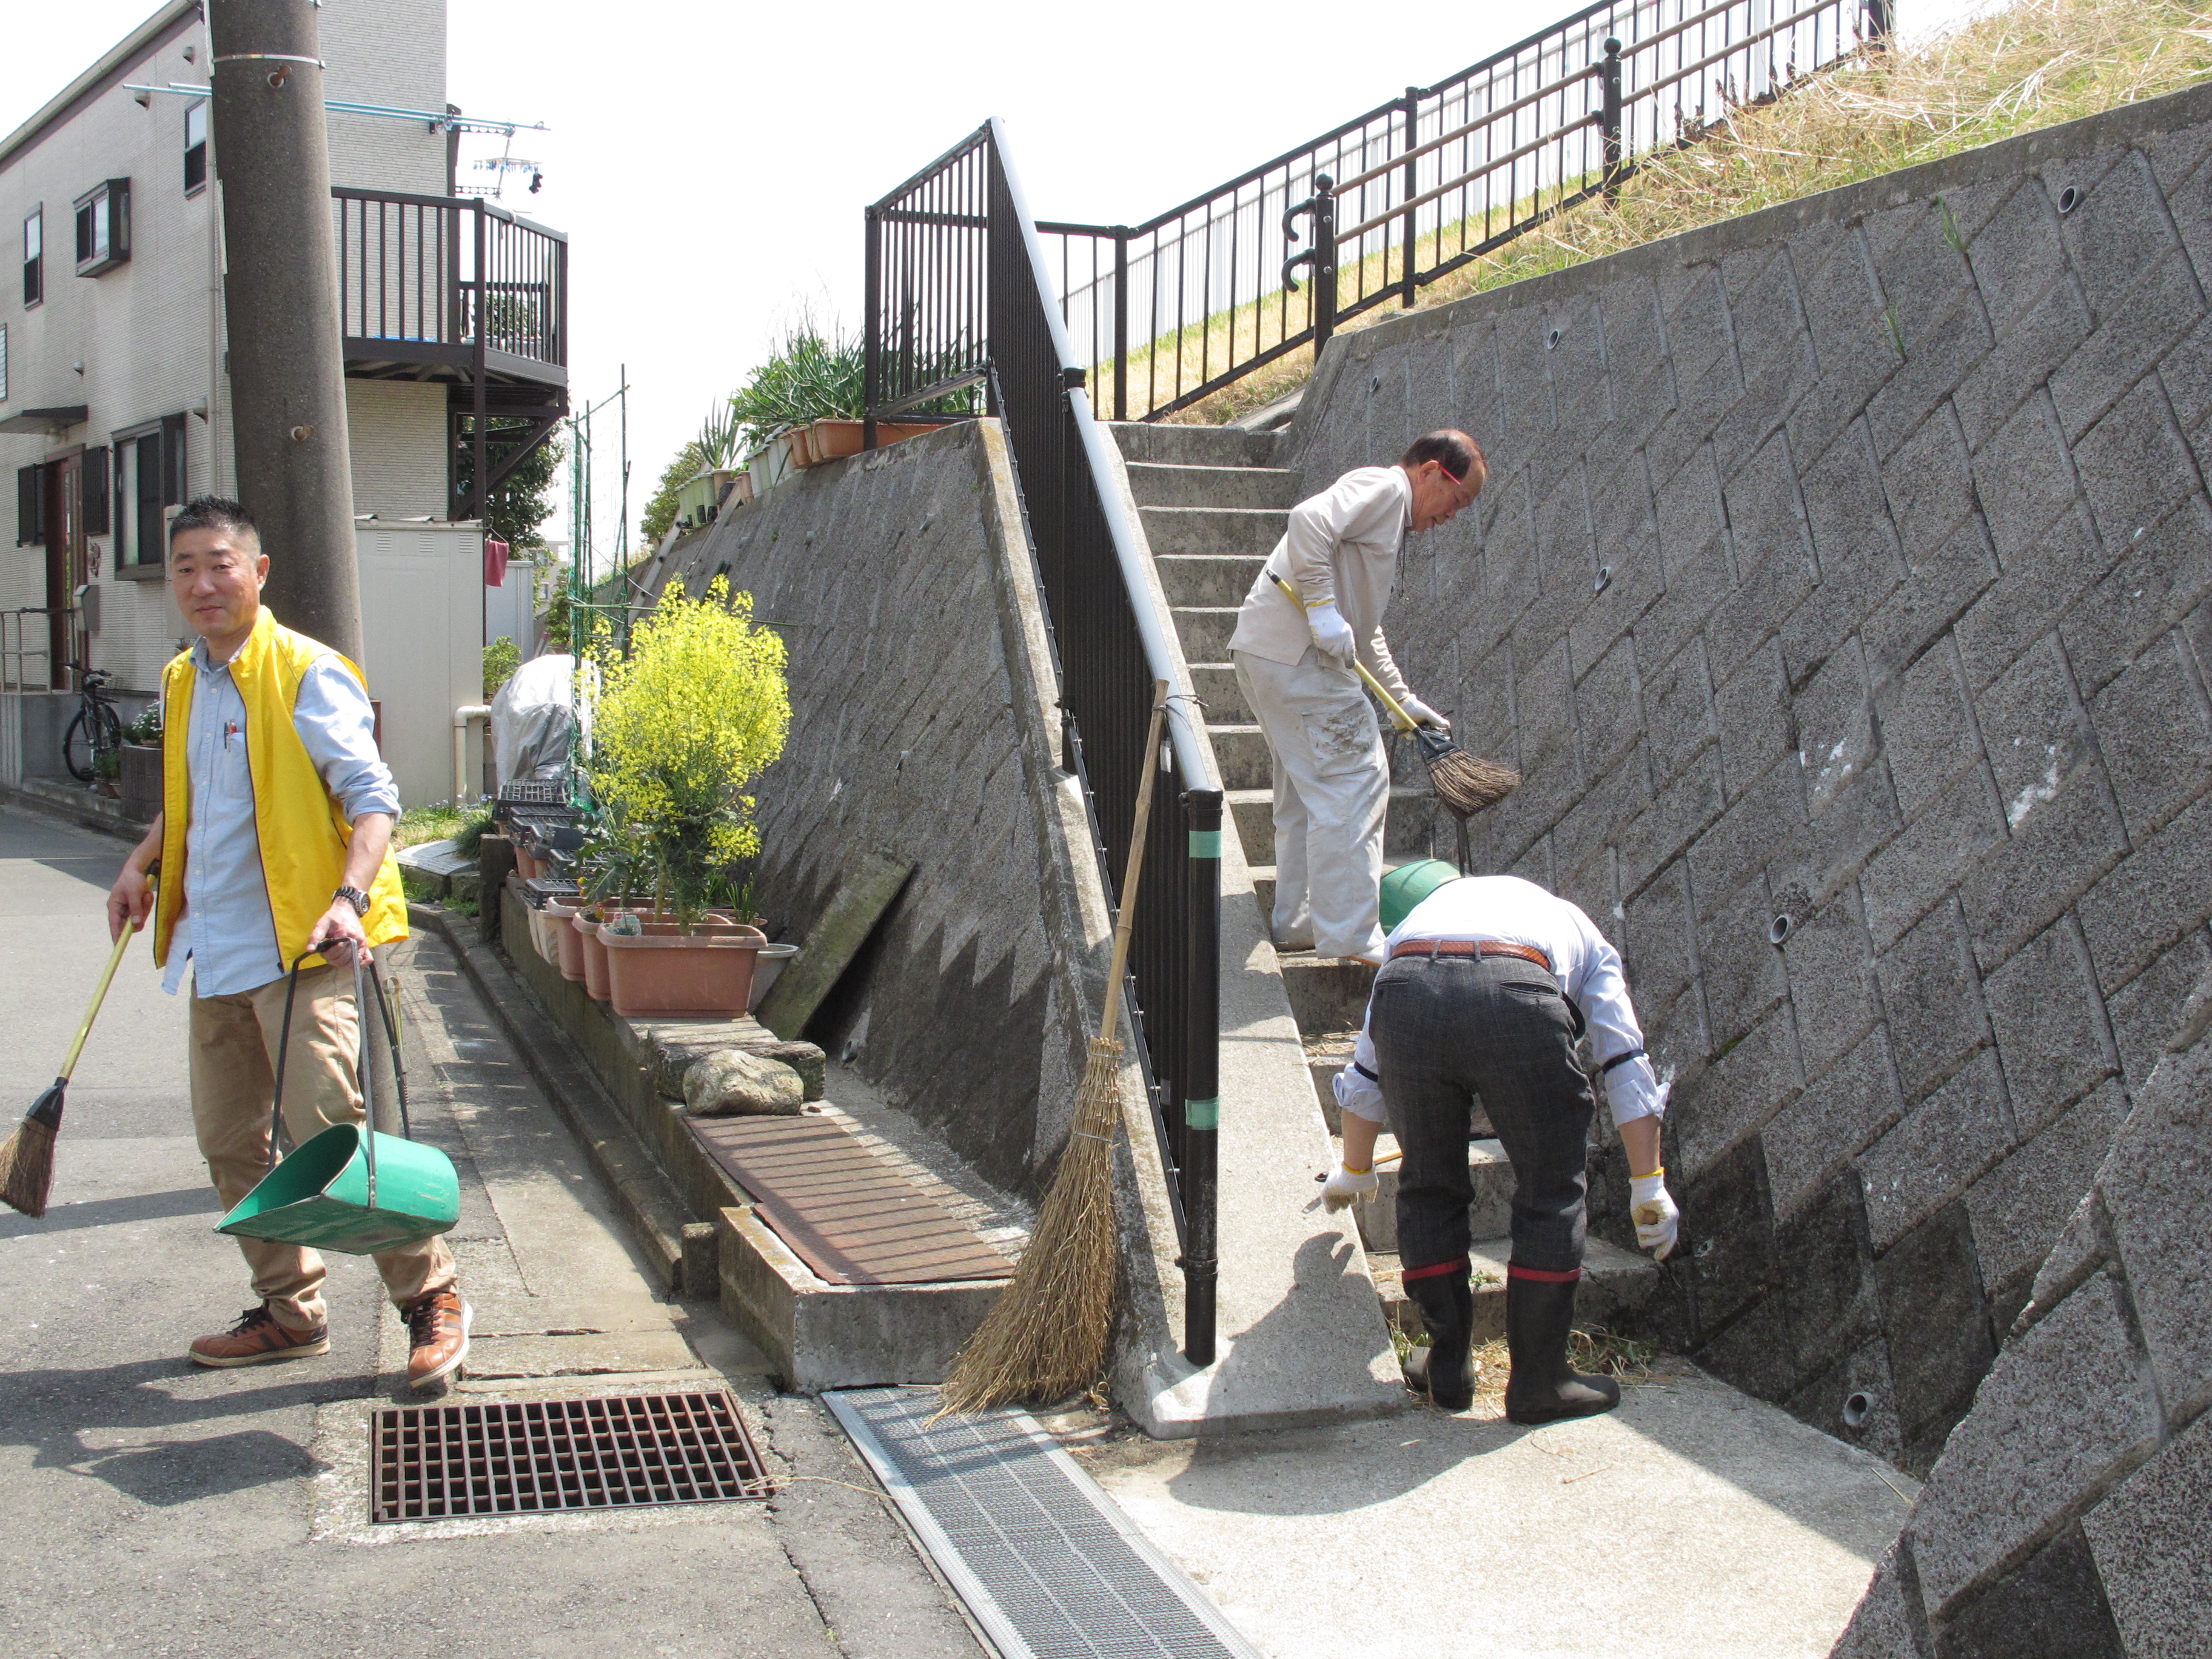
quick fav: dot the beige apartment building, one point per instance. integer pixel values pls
(114, 399)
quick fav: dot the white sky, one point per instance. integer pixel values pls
(709, 161)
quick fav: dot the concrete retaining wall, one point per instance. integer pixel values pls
(917, 730)
(1842, 579)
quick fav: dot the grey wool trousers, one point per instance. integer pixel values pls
(1450, 1028)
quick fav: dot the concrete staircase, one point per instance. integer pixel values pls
(1212, 506)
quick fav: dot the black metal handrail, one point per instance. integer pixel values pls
(452, 275)
(957, 295)
(1172, 310)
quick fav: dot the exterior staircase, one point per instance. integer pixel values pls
(1212, 505)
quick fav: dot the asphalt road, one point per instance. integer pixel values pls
(148, 1507)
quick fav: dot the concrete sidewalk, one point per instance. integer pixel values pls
(157, 1509)
(1694, 1523)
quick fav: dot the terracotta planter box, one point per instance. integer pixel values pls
(833, 441)
(770, 963)
(527, 866)
(666, 971)
(567, 943)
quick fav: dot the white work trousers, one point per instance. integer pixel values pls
(1332, 786)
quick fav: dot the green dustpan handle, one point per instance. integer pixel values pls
(283, 1048)
(365, 1073)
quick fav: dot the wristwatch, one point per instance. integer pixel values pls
(354, 897)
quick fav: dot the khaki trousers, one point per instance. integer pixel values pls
(233, 1071)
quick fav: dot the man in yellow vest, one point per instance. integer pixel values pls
(274, 841)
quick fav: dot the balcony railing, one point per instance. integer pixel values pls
(457, 284)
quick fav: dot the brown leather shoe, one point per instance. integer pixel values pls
(438, 1327)
(256, 1339)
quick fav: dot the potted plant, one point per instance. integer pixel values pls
(683, 724)
(140, 777)
(810, 395)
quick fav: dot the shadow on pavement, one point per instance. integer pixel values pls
(110, 1212)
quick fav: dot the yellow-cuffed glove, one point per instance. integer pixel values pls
(1651, 1207)
(1346, 1187)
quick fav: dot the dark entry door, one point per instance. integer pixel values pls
(67, 568)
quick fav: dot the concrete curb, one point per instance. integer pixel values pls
(640, 1192)
(94, 812)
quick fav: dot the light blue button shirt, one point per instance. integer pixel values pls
(228, 929)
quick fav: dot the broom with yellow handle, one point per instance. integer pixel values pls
(26, 1161)
(1465, 783)
(1046, 1335)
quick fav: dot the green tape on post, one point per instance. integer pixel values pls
(1206, 843)
(1202, 1113)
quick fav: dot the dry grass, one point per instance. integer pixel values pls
(1596, 1351)
(2033, 64)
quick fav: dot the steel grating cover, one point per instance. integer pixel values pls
(1047, 1563)
(608, 1451)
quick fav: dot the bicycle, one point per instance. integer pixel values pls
(96, 730)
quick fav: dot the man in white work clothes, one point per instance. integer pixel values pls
(1294, 662)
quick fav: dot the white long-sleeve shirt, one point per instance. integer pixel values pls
(1342, 546)
(1587, 968)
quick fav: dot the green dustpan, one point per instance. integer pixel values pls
(348, 1188)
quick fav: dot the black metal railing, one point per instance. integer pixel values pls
(449, 279)
(1172, 310)
(957, 295)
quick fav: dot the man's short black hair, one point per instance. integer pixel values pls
(214, 513)
(1458, 452)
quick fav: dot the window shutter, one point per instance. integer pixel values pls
(93, 495)
(173, 460)
(30, 506)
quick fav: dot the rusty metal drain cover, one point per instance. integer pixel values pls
(611, 1451)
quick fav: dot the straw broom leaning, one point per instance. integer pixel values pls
(1046, 1336)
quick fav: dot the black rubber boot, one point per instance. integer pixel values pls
(1543, 1388)
(1444, 1370)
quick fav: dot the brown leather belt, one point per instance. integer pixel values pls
(1471, 947)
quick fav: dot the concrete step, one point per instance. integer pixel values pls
(1217, 688)
(1327, 993)
(1251, 532)
(1490, 1213)
(1204, 629)
(1242, 751)
(1149, 443)
(1412, 816)
(1614, 1282)
(1263, 881)
(1206, 580)
(1155, 485)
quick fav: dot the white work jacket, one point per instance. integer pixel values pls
(1341, 545)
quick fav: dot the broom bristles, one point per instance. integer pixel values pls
(1046, 1335)
(1466, 783)
(27, 1168)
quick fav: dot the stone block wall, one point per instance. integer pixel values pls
(1840, 590)
(2071, 1511)
(922, 697)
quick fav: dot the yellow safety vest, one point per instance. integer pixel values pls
(303, 831)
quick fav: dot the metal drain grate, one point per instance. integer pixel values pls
(1047, 1563)
(610, 1451)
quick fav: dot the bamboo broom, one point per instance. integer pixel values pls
(26, 1159)
(1046, 1336)
(1465, 783)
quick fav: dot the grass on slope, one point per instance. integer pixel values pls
(2033, 63)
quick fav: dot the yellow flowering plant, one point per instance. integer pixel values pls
(681, 726)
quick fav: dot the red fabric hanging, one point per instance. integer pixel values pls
(494, 563)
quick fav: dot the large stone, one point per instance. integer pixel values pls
(2067, 1407)
(2050, 1606)
(734, 1084)
(2157, 1187)
(2148, 1539)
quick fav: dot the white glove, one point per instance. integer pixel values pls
(1332, 634)
(1343, 1188)
(1422, 715)
(1652, 1209)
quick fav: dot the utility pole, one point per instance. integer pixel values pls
(280, 293)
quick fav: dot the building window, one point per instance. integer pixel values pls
(103, 226)
(34, 274)
(195, 120)
(149, 476)
(30, 506)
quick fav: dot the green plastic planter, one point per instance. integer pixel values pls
(327, 1196)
